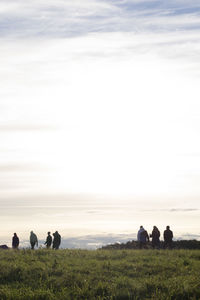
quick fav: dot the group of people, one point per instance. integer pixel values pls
(54, 242)
(143, 237)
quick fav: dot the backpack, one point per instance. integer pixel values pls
(143, 236)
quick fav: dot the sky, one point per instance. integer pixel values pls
(99, 118)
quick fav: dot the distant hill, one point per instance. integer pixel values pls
(181, 244)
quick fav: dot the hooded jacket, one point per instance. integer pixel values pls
(139, 234)
(33, 238)
(142, 235)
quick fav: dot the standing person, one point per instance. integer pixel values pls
(155, 235)
(139, 232)
(142, 237)
(33, 240)
(168, 236)
(15, 241)
(56, 240)
(48, 240)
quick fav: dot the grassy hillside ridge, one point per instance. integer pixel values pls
(182, 244)
(101, 274)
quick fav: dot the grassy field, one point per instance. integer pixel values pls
(100, 274)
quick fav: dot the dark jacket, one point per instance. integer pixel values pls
(168, 235)
(56, 240)
(48, 240)
(155, 235)
(15, 241)
(144, 237)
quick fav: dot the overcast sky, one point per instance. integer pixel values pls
(99, 111)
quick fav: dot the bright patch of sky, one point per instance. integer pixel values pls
(99, 99)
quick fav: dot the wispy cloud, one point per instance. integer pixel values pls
(60, 18)
(20, 167)
(190, 236)
(66, 18)
(181, 210)
(24, 127)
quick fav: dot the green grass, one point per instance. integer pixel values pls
(100, 274)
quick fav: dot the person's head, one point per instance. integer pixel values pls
(141, 227)
(168, 227)
(31, 232)
(48, 232)
(154, 227)
(15, 234)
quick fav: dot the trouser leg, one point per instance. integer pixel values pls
(32, 246)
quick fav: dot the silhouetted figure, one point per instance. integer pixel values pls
(48, 240)
(33, 240)
(142, 237)
(155, 235)
(56, 240)
(168, 236)
(15, 241)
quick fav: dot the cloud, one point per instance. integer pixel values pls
(24, 127)
(73, 18)
(19, 177)
(190, 236)
(95, 241)
(183, 209)
(20, 167)
(60, 18)
(192, 209)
